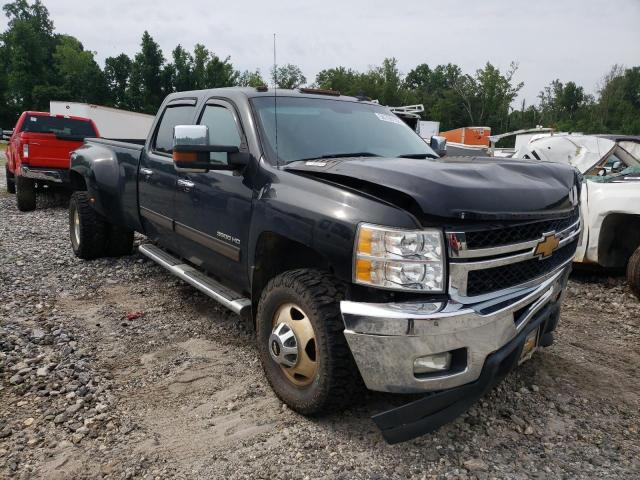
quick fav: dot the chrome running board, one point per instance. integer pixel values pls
(207, 285)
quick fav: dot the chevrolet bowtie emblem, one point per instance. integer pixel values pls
(547, 246)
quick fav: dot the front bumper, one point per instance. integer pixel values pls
(385, 339)
(486, 339)
(434, 410)
(53, 175)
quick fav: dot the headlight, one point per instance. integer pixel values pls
(399, 259)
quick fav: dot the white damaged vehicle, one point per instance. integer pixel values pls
(610, 195)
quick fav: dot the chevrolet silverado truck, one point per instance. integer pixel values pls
(38, 153)
(360, 256)
(610, 165)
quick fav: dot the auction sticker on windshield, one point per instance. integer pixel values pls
(388, 118)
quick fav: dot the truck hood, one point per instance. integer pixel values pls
(455, 187)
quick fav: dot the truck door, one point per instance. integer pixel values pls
(157, 174)
(213, 209)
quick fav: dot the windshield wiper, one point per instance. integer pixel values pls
(340, 155)
(418, 155)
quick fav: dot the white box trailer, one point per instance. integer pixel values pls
(111, 122)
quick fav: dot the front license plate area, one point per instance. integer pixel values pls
(530, 346)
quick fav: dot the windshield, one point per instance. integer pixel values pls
(310, 128)
(59, 126)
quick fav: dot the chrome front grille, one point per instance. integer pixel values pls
(499, 266)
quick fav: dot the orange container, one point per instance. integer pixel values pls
(468, 135)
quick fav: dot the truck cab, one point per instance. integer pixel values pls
(361, 258)
(38, 153)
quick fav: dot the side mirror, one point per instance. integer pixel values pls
(191, 149)
(439, 145)
(616, 167)
(602, 172)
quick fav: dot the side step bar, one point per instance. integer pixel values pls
(228, 298)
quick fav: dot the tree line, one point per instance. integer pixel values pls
(38, 65)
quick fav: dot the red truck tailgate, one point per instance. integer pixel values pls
(48, 140)
(46, 150)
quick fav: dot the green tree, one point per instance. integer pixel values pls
(288, 76)
(619, 103)
(220, 73)
(488, 95)
(117, 72)
(26, 58)
(250, 79)
(146, 86)
(434, 88)
(79, 77)
(183, 73)
(341, 79)
(200, 59)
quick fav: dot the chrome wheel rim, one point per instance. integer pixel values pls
(292, 345)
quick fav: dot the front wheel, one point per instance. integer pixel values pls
(633, 272)
(301, 342)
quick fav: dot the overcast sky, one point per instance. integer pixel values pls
(567, 39)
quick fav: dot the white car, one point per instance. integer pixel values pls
(610, 195)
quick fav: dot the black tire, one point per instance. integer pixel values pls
(633, 273)
(89, 239)
(337, 380)
(25, 194)
(11, 181)
(119, 241)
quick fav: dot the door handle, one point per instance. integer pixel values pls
(146, 172)
(186, 185)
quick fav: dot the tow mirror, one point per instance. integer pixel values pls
(439, 145)
(191, 149)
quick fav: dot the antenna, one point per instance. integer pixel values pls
(275, 96)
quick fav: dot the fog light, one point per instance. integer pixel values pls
(432, 363)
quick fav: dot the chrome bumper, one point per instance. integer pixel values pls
(46, 174)
(385, 339)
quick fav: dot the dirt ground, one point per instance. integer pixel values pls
(115, 369)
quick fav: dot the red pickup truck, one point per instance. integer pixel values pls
(38, 153)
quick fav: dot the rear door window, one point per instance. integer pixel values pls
(178, 115)
(59, 126)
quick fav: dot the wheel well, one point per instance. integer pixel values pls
(77, 181)
(619, 238)
(276, 254)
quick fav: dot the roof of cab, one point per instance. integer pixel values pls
(250, 92)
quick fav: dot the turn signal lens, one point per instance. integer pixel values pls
(399, 259)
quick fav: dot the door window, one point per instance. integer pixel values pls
(178, 115)
(222, 130)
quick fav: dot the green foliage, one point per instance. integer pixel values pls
(78, 75)
(26, 58)
(288, 76)
(117, 72)
(250, 79)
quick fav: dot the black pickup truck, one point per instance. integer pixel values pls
(361, 257)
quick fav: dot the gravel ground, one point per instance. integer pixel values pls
(115, 369)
